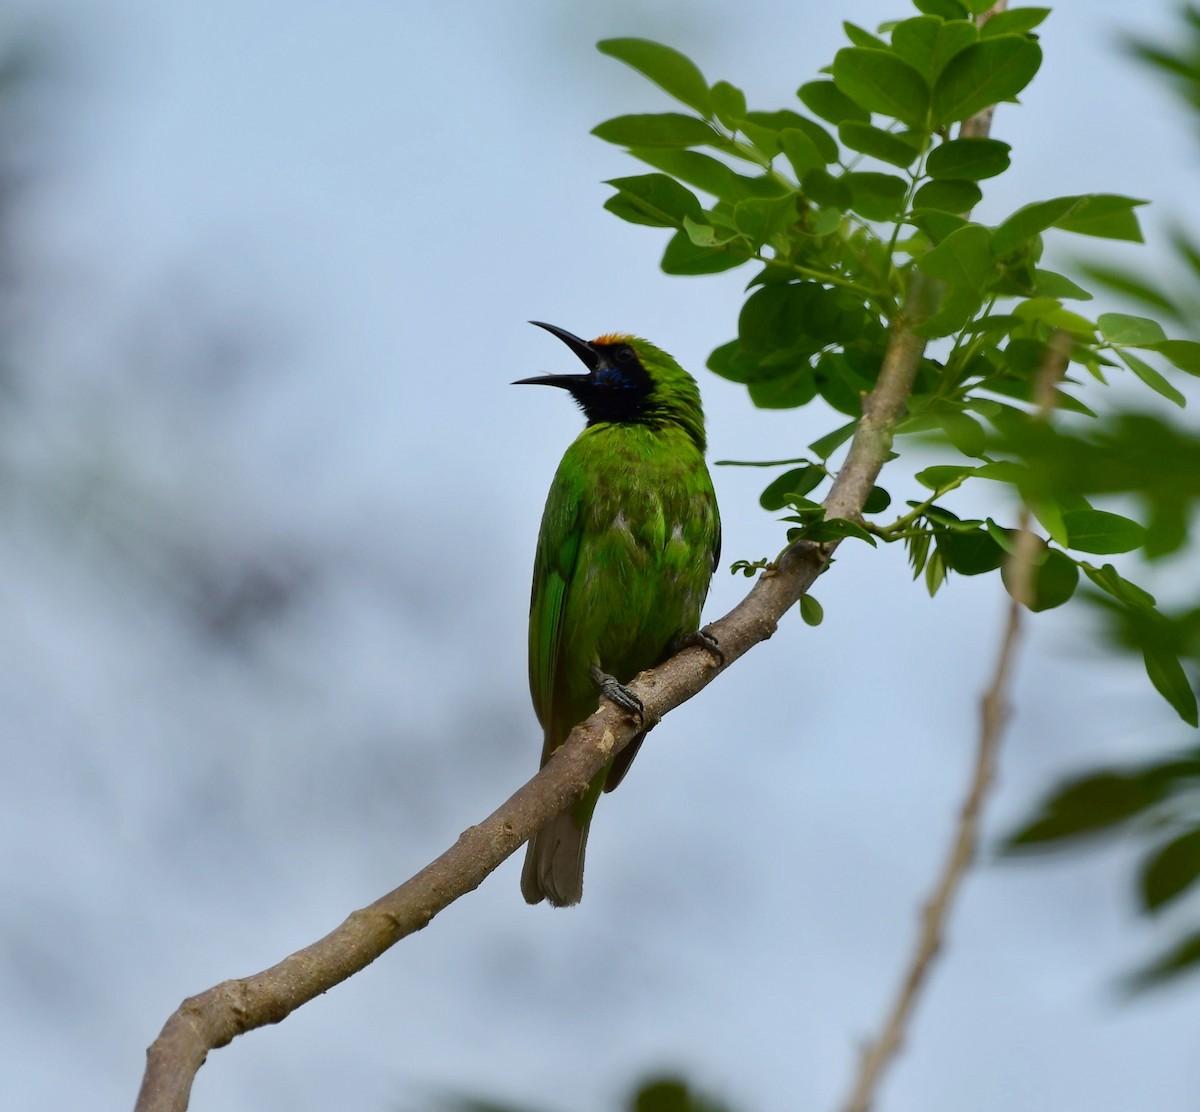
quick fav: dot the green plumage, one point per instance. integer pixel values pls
(629, 540)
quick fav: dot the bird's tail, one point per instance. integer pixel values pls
(554, 862)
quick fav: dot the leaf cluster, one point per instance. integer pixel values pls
(841, 203)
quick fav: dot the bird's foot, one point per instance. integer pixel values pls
(616, 692)
(702, 639)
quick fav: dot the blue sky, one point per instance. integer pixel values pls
(272, 508)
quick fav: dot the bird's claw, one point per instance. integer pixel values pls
(702, 639)
(616, 692)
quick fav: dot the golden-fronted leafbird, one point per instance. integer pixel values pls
(629, 540)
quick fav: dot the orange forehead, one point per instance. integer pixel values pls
(613, 338)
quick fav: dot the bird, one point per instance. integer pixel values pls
(629, 540)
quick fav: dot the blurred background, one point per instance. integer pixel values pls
(267, 515)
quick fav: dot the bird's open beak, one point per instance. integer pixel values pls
(587, 354)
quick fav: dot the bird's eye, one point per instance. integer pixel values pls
(624, 353)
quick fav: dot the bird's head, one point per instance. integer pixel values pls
(628, 379)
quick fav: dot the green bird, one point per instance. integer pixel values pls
(629, 540)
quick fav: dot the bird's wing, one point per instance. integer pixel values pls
(553, 571)
(715, 552)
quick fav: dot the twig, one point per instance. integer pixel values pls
(878, 1055)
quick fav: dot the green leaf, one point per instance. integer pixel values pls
(928, 42)
(877, 501)
(1051, 313)
(1028, 221)
(822, 140)
(1170, 680)
(983, 74)
(773, 317)
(1103, 532)
(879, 81)
(942, 475)
(811, 610)
(729, 103)
(1017, 21)
(839, 528)
(826, 445)
(764, 139)
(667, 68)
(1104, 215)
(661, 129)
(1120, 328)
(1096, 214)
(788, 391)
(701, 170)
(759, 218)
(972, 553)
(961, 429)
(1052, 582)
(825, 100)
(682, 256)
(935, 572)
(827, 191)
(1170, 871)
(962, 259)
(1049, 284)
(884, 145)
(970, 159)
(797, 482)
(1152, 378)
(1182, 958)
(800, 150)
(763, 129)
(937, 225)
(876, 196)
(947, 9)
(948, 195)
(703, 235)
(1005, 538)
(1092, 805)
(669, 1094)
(1108, 579)
(658, 200)
(1049, 514)
(732, 363)
(1185, 354)
(860, 37)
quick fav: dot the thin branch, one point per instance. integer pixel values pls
(935, 914)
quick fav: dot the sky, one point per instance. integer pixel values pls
(269, 513)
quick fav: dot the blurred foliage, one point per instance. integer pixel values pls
(852, 207)
(659, 1094)
(1156, 802)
